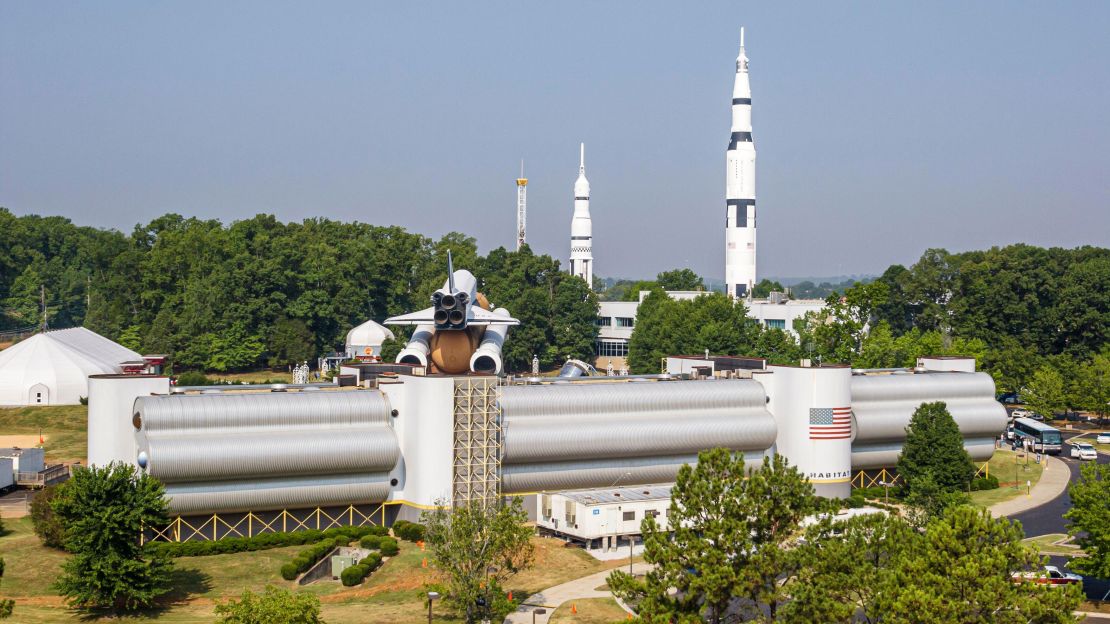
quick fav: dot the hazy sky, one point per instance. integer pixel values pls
(882, 129)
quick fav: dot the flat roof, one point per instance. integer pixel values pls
(618, 495)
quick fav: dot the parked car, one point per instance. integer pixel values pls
(1050, 575)
(1103, 438)
(1082, 450)
(1019, 413)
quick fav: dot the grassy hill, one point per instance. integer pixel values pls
(393, 594)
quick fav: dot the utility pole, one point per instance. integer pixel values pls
(42, 302)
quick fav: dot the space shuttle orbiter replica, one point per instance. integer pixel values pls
(459, 333)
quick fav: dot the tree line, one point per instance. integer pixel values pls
(1037, 319)
(260, 292)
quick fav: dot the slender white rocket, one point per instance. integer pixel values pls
(581, 228)
(740, 276)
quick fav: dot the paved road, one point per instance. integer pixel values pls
(1049, 518)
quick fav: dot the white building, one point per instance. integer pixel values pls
(599, 518)
(53, 368)
(366, 340)
(617, 319)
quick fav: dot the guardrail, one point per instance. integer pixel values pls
(50, 475)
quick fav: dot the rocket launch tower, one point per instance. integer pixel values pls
(740, 187)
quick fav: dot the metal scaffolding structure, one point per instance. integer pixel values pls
(521, 207)
(477, 441)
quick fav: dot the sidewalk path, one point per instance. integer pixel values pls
(552, 597)
(1054, 481)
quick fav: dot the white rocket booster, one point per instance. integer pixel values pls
(740, 187)
(581, 228)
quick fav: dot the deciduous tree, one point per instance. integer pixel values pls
(103, 512)
(478, 547)
(272, 606)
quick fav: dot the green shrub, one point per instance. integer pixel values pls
(372, 561)
(984, 483)
(855, 501)
(411, 531)
(380, 531)
(193, 378)
(353, 575)
(400, 525)
(373, 542)
(301, 564)
(388, 547)
(46, 524)
(289, 572)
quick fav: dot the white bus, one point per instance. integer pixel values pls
(1045, 439)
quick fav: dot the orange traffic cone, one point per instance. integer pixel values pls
(510, 595)
(573, 608)
(424, 563)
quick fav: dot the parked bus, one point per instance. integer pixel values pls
(1045, 439)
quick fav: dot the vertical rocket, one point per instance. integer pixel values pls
(581, 228)
(740, 187)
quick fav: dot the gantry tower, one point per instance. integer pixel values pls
(521, 207)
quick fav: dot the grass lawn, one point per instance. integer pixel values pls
(254, 377)
(1048, 544)
(65, 428)
(590, 611)
(394, 593)
(1009, 468)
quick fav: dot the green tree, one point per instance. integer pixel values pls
(1089, 519)
(1045, 393)
(47, 525)
(103, 512)
(934, 448)
(851, 568)
(765, 287)
(290, 342)
(963, 570)
(272, 606)
(1093, 384)
(478, 547)
(712, 321)
(680, 279)
(6, 605)
(727, 527)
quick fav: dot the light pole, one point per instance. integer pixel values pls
(536, 612)
(631, 541)
(432, 596)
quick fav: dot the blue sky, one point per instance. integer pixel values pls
(881, 129)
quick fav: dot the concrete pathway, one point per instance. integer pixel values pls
(1054, 481)
(552, 597)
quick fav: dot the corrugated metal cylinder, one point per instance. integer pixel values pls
(289, 493)
(175, 458)
(265, 410)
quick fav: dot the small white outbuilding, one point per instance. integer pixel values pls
(366, 340)
(53, 368)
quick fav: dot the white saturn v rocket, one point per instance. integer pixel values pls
(581, 228)
(740, 187)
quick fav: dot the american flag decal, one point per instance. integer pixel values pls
(830, 423)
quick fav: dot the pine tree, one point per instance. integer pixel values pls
(725, 539)
(934, 449)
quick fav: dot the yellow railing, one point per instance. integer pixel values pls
(890, 476)
(249, 524)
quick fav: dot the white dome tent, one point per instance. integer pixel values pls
(366, 339)
(53, 368)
